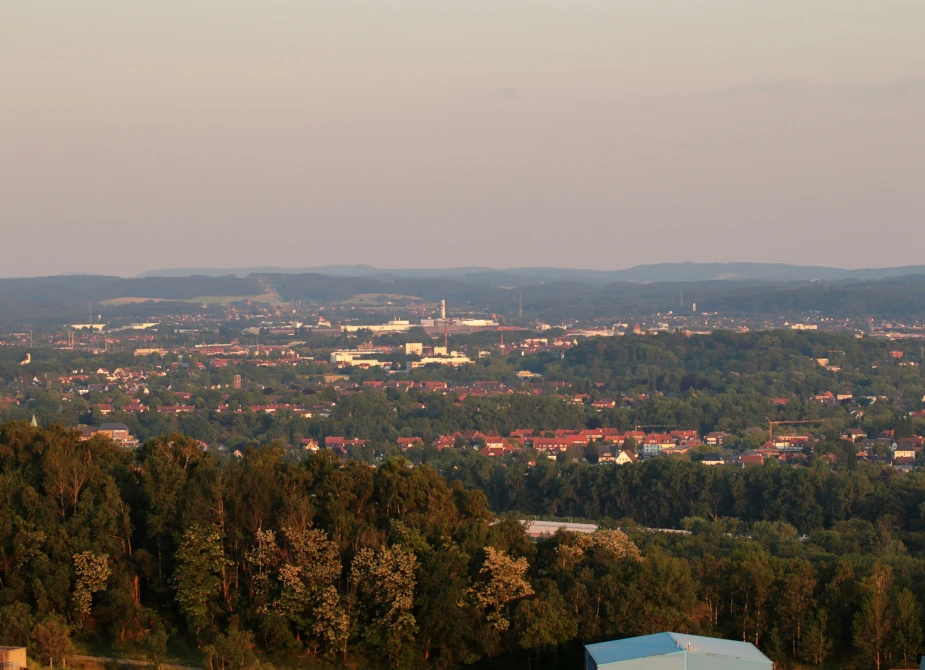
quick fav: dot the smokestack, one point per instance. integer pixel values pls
(443, 309)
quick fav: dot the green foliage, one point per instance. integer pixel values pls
(51, 640)
(394, 566)
(15, 624)
(200, 564)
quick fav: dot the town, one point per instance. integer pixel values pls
(253, 373)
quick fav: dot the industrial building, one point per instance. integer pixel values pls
(538, 529)
(393, 326)
(675, 651)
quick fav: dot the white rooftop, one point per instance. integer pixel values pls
(672, 643)
(550, 527)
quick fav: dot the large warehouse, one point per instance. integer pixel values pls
(675, 651)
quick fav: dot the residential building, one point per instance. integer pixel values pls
(713, 459)
(903, 452)
(751, 457)
(408, 442)
(625, 457)
(117, 432)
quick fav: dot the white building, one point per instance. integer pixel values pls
(537, 529)
(355, 357)
(477, 323)
(455, 359)
(393, 326)
(651, 449)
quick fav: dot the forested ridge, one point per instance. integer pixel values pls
(169, 553)
(52, 301)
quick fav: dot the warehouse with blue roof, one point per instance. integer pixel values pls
(675, 651)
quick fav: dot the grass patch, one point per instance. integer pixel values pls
(270, 298)
(375, 299)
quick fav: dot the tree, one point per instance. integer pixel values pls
(198, 576)
(385, 581)
(501, 582)
(796, 600)
(751, 582)
(92, 574)
(154, 644)
(162, 481)
(260, 561)
(15, 624)
(816, 645)
(546, 620)
(231, 650)
(309, 594)
(51, 639)
(872, 622)
(907, 631)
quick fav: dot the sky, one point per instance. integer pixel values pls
(420, 133)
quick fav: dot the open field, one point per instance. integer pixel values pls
(270, 298)
(376, 299)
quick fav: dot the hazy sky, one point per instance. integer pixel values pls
(428, 133)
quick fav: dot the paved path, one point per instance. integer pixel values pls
(128, 661)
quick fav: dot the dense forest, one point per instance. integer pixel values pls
(168, 553)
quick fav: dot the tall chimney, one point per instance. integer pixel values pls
(443, 309)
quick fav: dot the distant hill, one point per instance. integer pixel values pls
(99, 287)
(63, 299)
(551, 294)
(659, 272)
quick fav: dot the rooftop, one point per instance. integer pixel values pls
(661, 644)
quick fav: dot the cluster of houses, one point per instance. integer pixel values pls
(616, 446)
(626, 447)
(886, 448)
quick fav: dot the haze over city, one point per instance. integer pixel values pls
(419, 134)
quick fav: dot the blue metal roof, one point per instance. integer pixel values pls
(671, 643)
